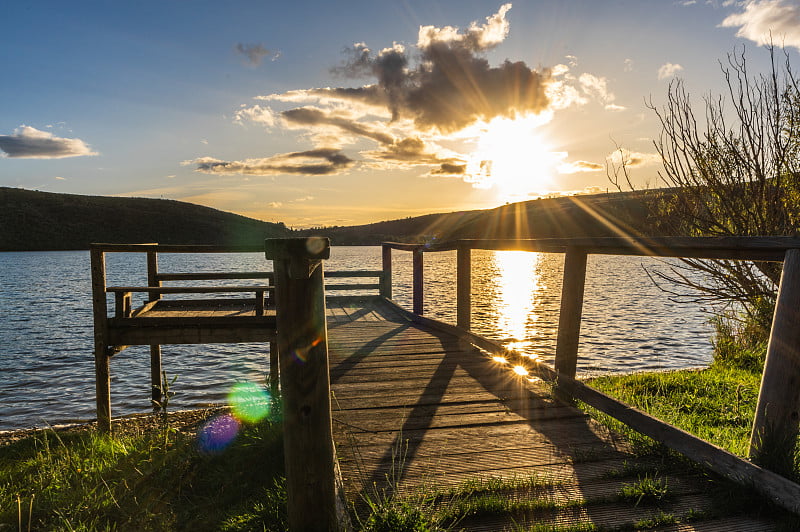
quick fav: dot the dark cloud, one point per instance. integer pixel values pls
(452, 84)
(319, 161)
(30, 143)
(311, 116)
(580, 166)
(450, 169)
(254, 53)
(411, 151)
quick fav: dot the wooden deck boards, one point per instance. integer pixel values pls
(416, 408)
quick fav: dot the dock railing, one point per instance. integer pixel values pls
(778, 409)
(113, 334)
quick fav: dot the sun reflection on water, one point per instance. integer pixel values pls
(518, 280)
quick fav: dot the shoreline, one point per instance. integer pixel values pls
(129, 425)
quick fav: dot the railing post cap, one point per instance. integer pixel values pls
(311, 248)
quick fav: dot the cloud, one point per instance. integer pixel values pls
(413, 151)
(253, 54)
(257, 114)
(580, 166)
(312, 116)
(475, 38)
(452, 85)
(411, 98)
(450, 170)
(627, 65)
(763, 21)
(30, 143)
(667, 70)
(319, 161)
(59, 178)
(633, 158)
(597, 87)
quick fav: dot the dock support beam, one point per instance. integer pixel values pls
(305, 381)
(774, 437)
(386, 280)
(102, 373)
(417, 281)
(463, 287)
(569, 321)
(156, 383)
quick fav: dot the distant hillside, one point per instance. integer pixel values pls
(32, 220)
(573, 216)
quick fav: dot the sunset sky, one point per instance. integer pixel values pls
(339, 113)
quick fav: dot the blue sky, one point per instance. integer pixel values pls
(235, 105)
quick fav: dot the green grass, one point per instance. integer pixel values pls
(716, 404)
(646, 490)
(157, 481)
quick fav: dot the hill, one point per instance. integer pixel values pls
(596, 215)
(32, 220)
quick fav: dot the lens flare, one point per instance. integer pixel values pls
(217, 434)
(301, 353)
(519, 370)
(249, 402)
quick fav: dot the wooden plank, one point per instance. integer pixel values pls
(174, 248)
(189, 335)
(176, 320)
(189, 289)
(734, 248)
(201, 276)
(402, 247)
(354, 286)
(353, 273)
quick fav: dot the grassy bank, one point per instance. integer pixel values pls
(717, 404)
(228, 475)
(164, 479)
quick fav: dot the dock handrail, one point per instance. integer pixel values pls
(778, 409)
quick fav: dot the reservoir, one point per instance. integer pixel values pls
(46, 360)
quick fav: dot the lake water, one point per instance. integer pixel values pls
(46, 361)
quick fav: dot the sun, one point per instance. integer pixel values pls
(512, 158)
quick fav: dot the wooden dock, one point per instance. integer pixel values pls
(384, 404)
(417, 411)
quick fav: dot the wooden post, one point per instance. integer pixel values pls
(417, 281)
(386, 281)
(152, 274)
(274, 371)
(102, 372)
(305, 381)
(156, 384)
(774, 436)
(569, 321)
(463, 286)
